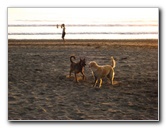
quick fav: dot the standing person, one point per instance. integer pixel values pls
(63, 32)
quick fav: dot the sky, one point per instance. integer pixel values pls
(82, 14)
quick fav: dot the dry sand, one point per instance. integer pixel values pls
(39, 87)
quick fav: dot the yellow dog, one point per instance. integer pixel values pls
(100, 72)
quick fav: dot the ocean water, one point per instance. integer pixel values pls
(92, 30)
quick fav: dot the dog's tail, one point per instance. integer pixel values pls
(113, 62)
(71, 58)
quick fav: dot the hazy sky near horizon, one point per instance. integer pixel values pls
(82, 14)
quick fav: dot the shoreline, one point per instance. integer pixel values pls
(85, 42)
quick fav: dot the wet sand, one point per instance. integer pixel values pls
(39, 87)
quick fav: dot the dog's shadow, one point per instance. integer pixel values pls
(72, 78)
(89, 82)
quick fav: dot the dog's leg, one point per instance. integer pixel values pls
(100, 83)
(112, 73)
(76, 77)
(96, 80)
(70, 73)
(112, 79)
(83, 75)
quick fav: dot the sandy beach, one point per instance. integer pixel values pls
(39, 87)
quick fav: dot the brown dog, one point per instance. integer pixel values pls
(77, 67)
(100, 72)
